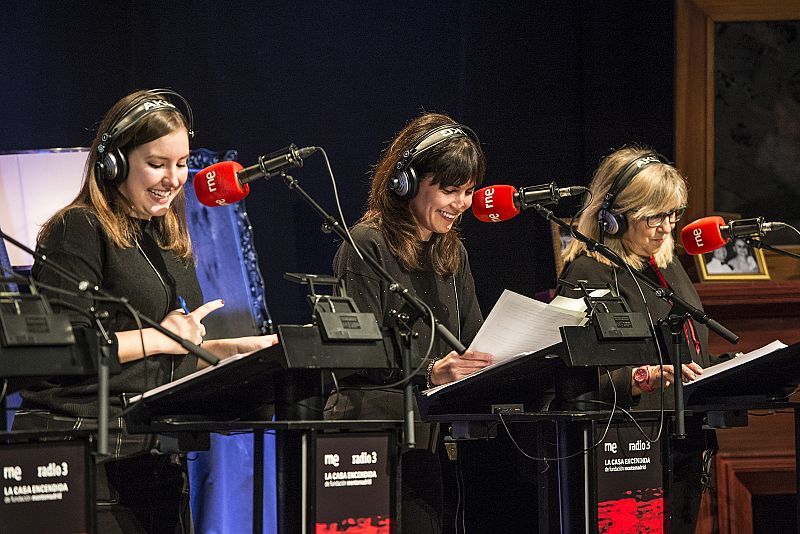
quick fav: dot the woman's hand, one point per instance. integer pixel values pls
(185, 325)
(455, 366)
(225, 348)
(188, 326)
(664, 376)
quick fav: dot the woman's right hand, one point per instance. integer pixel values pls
(455, 366)
(664, 376)
(188, 326)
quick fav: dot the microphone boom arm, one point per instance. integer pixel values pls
(666, 294)
(96, 292)
(757, 243)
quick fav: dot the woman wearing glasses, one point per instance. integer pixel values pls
(636, 200)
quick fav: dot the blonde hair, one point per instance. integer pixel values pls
(656, 188)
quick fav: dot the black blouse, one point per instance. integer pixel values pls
(151, 279)
(452, 298)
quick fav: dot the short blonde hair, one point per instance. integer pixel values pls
(656, 188)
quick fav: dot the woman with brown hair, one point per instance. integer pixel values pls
(420, 188)
(126, 233)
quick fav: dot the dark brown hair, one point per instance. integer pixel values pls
(451, 163)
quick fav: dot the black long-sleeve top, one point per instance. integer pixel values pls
(82, 246)
(452, 298)
(586, 268)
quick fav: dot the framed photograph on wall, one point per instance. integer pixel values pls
(737, 260)
(713, 118)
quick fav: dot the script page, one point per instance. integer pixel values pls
(739, 360)
(519, 325)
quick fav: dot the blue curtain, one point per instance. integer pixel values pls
(221, 482)
(221, 479)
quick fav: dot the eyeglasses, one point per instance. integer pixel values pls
(654, 221)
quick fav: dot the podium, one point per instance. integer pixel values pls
(47, 473)
(483, 400)
(291, 380)
(764, 383)
(580, 492)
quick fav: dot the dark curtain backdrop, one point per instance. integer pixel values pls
(549, 85)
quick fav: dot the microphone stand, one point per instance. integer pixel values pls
(96, 293)
(674, 320)
(757, 243)
(417, 308)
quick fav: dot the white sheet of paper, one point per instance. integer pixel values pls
(739, 360)
(519, 325)
(579, 304)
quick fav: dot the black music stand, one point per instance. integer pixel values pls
(240, 394)
(37, 343)
(560, 385)
(761, 383)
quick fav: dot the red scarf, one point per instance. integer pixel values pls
(688, 327)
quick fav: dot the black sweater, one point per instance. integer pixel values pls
(452, 298)
(586, 268)
(81, 246)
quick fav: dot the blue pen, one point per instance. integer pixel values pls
(182, 302)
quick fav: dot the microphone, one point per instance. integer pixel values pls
(502, 202)
(711, 233)
(227, 182)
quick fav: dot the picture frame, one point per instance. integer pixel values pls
(738, 260)
(695, 96)
(561, 240)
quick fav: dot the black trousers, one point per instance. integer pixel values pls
(143, 494)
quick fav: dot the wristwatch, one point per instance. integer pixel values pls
(642, 378)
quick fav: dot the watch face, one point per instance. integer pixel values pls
(641, 375)
(642, 378)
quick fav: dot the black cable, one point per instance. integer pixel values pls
(614, 407)
(461, 503)
(654, 335)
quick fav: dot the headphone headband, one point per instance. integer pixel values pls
(627, 174)
(137, 110)
(111, 162)
(615, 223)
(405, 181)
(432, 138)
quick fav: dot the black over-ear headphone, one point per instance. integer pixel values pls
(111, 163)
(616, 223)
(405, 181)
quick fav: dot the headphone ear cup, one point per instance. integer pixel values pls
(622, 221)
(404, 184)
(613, 224)
(113, 166)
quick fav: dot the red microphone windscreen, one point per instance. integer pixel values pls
(703, 235)
(495, 203)
(218, 185)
